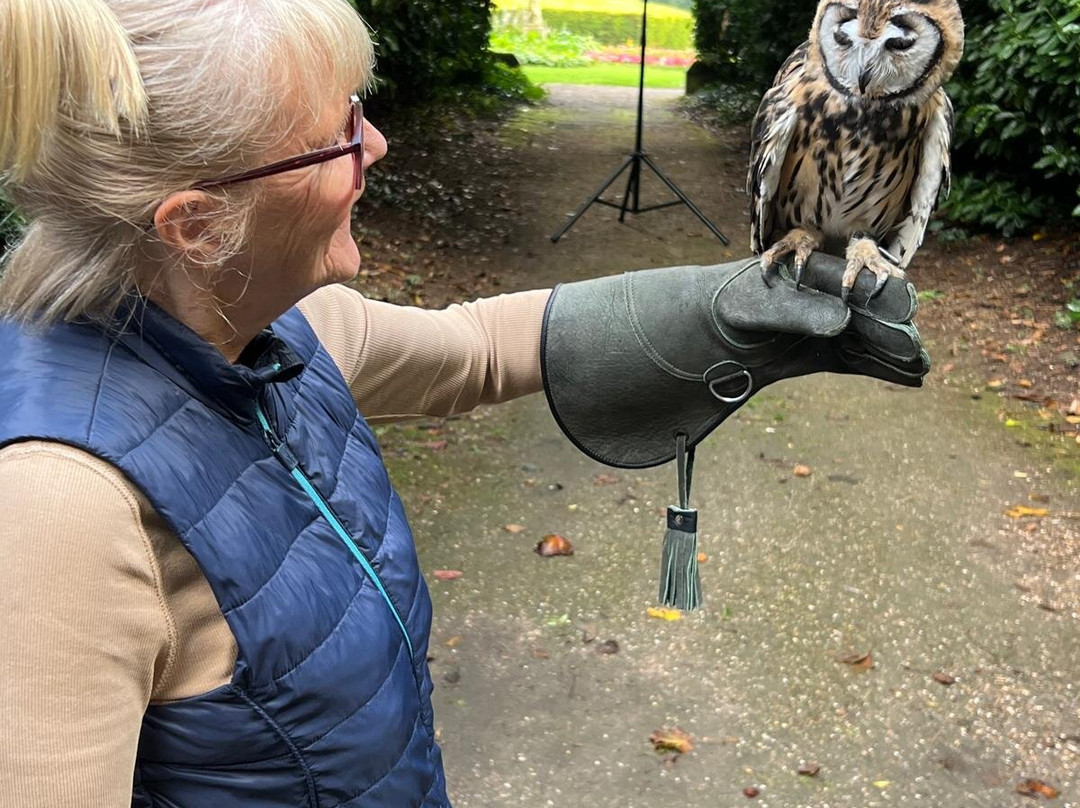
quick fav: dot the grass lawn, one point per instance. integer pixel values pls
(611, 74)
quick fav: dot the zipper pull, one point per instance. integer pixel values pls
(279, 448)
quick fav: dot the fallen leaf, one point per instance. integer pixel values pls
(435, 445)
(513, 528)
(1020, 475)
(605, 479)
(540, 653)
(1074, 407)
(859, 662)
(882, 783)
(944, 679)
(454, 641)
(554, 545)
(447, 575)
(994, 384)
(1036, 788)
(1020, 511)
(1025, 383)
(702, 558)
(750, 792)
(665, 614)
(608, 647)
(802, 470)
(671, 740)
(1072, 419)
(809, 769)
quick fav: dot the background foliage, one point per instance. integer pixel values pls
(746, 41)
(609, 22)
(1017, 97)
(424, 46)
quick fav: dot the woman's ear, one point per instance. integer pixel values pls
(183, 224)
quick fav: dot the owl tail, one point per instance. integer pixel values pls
(680, 581)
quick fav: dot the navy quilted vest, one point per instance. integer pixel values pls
(274, 482)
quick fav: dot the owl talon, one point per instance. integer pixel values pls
(800, 267)
(881, 281)
(768, 270)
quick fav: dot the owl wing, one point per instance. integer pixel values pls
(771, 132)
(934, 174)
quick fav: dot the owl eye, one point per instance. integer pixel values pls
(899, 43)
(842, 39)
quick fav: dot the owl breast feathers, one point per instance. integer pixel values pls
(852, 140)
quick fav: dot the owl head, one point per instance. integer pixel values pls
(891, 51)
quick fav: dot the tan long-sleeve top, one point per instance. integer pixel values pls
(103, 610)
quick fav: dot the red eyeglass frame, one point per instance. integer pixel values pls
(355, 147)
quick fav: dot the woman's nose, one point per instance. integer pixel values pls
(374, 144)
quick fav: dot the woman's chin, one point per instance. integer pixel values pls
(343, 257)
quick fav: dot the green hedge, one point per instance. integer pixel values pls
(1016, 152)
(675, 33)
(747, 41)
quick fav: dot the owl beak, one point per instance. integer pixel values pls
(864, 80)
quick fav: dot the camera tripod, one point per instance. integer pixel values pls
(631, 201)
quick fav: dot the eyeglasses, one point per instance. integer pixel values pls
(355, 147)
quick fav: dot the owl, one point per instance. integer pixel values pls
(850, 146)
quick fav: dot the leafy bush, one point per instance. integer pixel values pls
(11, 224)
(562, 49)
(747, 40)
(722, 104)
(1017, 96)
(426, 45)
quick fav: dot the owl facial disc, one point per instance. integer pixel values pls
(880, 57)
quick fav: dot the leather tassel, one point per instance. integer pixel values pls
(680, 580)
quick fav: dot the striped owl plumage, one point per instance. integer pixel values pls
(850, 146)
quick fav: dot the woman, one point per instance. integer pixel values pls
(209, 590)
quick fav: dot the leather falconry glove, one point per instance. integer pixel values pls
(638, 368)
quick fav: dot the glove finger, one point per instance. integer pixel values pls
(909, 374)
(746, 303)
(896, 302)
(899, 341)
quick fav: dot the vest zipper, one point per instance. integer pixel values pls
(284, 454)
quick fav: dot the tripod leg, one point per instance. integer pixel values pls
(685, 200)
(633, 188)
(585, 206)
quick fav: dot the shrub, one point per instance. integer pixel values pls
(1017, 96)
(11, 224)
(561, 49)
(426, 45)
(746, 41)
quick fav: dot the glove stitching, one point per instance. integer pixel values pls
(643, 340)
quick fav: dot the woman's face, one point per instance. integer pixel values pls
(302, 238)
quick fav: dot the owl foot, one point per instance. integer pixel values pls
(799, 241)
(864, 253)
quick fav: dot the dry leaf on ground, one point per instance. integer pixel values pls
(751, 791)
(454, 641)
(605, 479)
(702, 558)
(664, 614)
(447, 575)
(1020, 511)
(513, 528)
(859, 662)
(1037, 788)
(671, 740)
(944, 678)
(802, 470)
(809, 769)
(554, 545)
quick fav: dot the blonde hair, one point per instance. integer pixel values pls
(108, 106)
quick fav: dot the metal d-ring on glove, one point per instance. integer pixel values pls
(631, 362)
